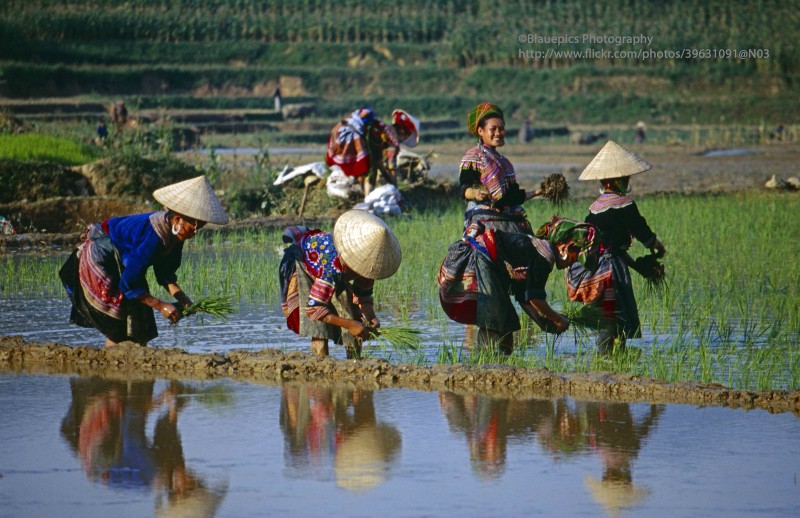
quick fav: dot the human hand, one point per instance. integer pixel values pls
(169, 311)
(658, 249)
(477, 194)
(529, 195)
(372, 321)
(183, 301)
(358, 330)
(562, 323)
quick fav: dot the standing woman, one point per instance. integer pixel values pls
(105, 276)
(618, 221)
(487, 178)
(363, 145)
(332, 276)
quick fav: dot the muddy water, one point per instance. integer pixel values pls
(251, 327)
(92, 446)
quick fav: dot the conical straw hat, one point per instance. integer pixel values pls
(614, 161)
(616, 496)
(366, 244)
(194, 198)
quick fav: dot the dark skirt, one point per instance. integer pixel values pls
(610, 287)
(471, 291)
(130, 319)
(295, 287)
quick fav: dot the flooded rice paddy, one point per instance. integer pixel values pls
(92, 446)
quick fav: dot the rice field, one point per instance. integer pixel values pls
(730, 313)
(49, 148)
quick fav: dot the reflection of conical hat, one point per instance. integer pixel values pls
(362, 460)
(200, 502)
(614, 161)
(366, 244)
(615, 495)
(194, 198)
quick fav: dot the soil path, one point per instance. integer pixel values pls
(270, 366)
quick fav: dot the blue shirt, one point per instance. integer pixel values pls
(140, 246)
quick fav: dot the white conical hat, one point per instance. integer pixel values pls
(366, 244)
(194, 198)
(614, 161)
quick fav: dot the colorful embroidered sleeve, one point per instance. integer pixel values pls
(470, 170)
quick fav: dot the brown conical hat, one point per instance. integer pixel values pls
(194, 198)
(614, 161)
(366, 244)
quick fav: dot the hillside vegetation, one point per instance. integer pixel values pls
(435, 58)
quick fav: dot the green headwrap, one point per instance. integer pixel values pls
(573, 233)
(480, 112)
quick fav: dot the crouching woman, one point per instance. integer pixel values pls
(481, 271)
(332, 275)
(105, 276)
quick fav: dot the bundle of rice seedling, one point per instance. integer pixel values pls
(584, 315)
(216, 306)
(398, 337)
(649, 267)
(555, 188)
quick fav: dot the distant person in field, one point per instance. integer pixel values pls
(525, 132)
(102, 132)
(362, 146)
(119, 115)
(276, 98)
(106, 275)
(618, 222)
(639, 136)
(327, 279)
(487, 178)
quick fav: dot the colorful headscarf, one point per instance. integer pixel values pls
(573, 233)
(479, 112)
(360, 119)
(618, 185)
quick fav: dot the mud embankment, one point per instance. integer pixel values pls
(274, 367)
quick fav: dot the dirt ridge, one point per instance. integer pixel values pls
(271, 366)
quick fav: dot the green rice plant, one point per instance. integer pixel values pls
(219, 306)
(35, 146)
(398, 337)
(584, 316)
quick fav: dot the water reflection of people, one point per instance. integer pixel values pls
(611, 430)
(484, 421)
(106, 427)
(338, 425)
(615, 433)
(563, 427)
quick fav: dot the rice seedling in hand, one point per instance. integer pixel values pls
(649, 267)
(585, 316)
(398, 337)
(555, 188)
(216, 306)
